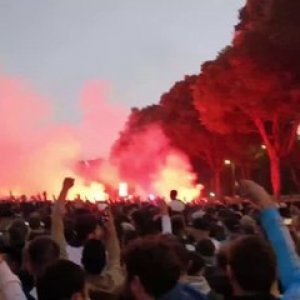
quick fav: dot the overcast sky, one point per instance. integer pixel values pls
(140, 47)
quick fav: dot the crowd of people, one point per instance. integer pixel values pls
(156, 250)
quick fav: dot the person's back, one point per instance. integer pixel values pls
(176, 205)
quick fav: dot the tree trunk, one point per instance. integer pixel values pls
(275, 175)
(295, 178)
(245, 170)
(217, 183)
(273, 147)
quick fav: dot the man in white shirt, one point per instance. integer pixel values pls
(10, 285)
(176, 205)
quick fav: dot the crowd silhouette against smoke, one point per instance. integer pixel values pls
(113, 207)
(39, 152)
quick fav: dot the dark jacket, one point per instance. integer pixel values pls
(183, 292)
(255, 297)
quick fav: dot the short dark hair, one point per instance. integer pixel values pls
(42, 252)
(155, 262)
(173, 194)
(232, 223)
(17, 233)
(253, 264)
(34, 220)
(196, 264)
(218, 232)
(93, 257)
(85, 224)
(201, 223)
(60, 281)
(206, 248)
(144, 223)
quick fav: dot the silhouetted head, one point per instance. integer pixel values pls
(41, 253)
(252, 266)
(93, 257)
(173, 194)
(153, 267)
(17, 233)
(206, 248)
(62, 280)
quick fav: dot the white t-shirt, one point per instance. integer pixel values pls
(74, 254)
(177, 205)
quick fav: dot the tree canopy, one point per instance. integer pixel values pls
(253, 85)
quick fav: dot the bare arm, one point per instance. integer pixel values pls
(278, 234)
(57, 230)
(112, 243)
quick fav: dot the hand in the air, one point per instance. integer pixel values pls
(256, 193)
(68, 183)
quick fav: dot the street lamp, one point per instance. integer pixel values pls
(227, 162)
(230, 163)
(264, 147)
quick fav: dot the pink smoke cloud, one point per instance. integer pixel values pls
(37, 152)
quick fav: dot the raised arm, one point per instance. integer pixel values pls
(57, 230)
(112, 243)
(277, 233)
(113, 278)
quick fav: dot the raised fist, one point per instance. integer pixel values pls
(68, 183)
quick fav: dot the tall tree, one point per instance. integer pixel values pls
(250, 87)
(187, 133)
(293, 163)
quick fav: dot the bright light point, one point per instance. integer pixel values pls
(123, 189)
(199, 187)
(264, 147)
(227, 162)
(151, 197)
(212, 194)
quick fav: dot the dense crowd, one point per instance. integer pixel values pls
(153, 250)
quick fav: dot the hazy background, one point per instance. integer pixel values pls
(139, 47)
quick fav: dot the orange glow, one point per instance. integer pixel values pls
(177, 174)
(92, 192)
(37, 153)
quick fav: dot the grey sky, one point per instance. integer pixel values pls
(141, 47)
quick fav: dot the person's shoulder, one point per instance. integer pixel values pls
(177, 205)
(190, 293)
(183, 291)
(179, 202)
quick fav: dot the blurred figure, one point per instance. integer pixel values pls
(153, 271)
(251, 269)
(40, 253)
(176, 205)
(10, 286)
(64, 280)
